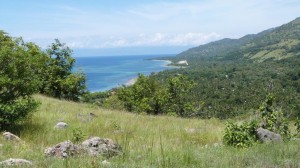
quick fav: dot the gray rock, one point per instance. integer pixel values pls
(61, 125)
(93, 146)
(101, 146)
(105, 163)
(10, 137)
(62, 150)
(15, 162)
(265, 135)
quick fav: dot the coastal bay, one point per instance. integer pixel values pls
(106, 72)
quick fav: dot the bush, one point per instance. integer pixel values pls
(273, 119)
(240, 135)
(20, 63)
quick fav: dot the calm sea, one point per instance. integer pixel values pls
(104, 73)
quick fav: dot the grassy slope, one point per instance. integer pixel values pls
(147, 141)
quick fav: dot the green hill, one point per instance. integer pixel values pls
(276, 43)
(146, 141)
(233, 76)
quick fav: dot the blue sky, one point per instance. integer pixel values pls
(124, 27)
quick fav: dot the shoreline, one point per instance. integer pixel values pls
(166, 64)
(131, 82)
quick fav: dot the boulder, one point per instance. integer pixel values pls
(10, 137)
(15, 162)
(93, 146)
(61, 125)
(265, 135)
(62, 150)
(101, 146)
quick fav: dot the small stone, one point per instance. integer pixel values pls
(15, 162)
(10, 137)
(191, 130)
(61, 125)
(105, 163)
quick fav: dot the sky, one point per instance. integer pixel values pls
(137, 27)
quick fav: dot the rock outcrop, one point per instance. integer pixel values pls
(93, 146)
(10, 137)
(15, 162)
(62, 150)
(101, 146)
(265, 135)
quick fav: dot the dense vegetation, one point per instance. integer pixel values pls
(233, 76)
(26, 69)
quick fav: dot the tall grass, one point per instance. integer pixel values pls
(147, 141)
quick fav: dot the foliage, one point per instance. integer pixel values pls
(18, 79)
(95, 98)
(297, 125)
(151, 96)
(143, 96)
(60, 81)
(233, 76)
(274, 120)
(245, 135)
(227, 89)
(77, 135)
(178, 89)
(240, 135)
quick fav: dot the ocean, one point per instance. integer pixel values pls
(106, 72)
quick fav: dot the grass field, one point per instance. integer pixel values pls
(147, 141)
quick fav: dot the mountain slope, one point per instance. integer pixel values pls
(276, 43)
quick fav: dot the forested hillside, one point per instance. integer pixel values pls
(275, 43)
(233, 76)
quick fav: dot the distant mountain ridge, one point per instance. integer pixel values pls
(275, 44)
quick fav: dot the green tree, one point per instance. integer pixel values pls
(143, 96)
(178, 89)
(18, 78)
(59, 80)
(154, 97)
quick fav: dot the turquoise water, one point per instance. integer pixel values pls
(104, 73)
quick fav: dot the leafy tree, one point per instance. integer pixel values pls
(178, 89)
(59, 80)
(143, 96)
(18, 78)
(153, 97)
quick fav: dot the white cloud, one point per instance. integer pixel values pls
(157, 23)
(141, 40)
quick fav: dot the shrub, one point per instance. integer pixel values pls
(273, 119)
(18, 78)
(240, 135)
